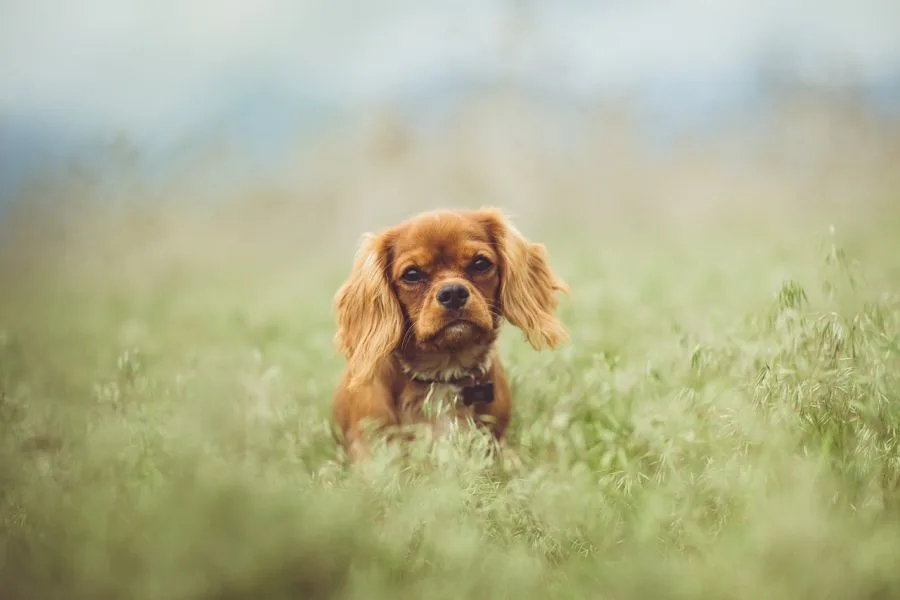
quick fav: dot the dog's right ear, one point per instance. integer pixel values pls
(369, 317)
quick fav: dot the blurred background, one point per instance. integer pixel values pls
(182, 187)
(325, 119)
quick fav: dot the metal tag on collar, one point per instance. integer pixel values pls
(474, 394)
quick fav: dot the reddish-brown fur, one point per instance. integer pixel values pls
(395, 333)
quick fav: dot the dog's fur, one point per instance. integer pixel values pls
(404, 349)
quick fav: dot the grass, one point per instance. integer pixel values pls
(725, 424)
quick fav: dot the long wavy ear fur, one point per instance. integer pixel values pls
(527, 286)
(369, 318)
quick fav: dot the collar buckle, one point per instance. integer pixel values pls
(477, 393)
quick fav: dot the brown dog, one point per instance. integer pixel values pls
(419, 315)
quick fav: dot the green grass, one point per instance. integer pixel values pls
(725, 424)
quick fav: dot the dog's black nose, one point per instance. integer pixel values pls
(453, 296)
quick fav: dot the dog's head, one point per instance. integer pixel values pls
(438, 284)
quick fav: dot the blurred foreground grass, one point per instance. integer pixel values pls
(725, 424)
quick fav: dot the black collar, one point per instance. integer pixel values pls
(472, 390)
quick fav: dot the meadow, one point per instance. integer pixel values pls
(724, 424)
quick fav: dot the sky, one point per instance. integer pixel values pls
(160, 71)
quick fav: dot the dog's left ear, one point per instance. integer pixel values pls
(527, 284)
(369, 317)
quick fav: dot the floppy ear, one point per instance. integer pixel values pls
(527, 285)
(369, 318)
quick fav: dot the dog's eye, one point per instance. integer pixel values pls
(481, 264)
(412, 275)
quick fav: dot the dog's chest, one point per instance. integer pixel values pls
(438, 404)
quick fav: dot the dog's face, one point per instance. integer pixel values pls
(445, 276)
(438, 284)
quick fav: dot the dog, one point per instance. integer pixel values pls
(418, 319)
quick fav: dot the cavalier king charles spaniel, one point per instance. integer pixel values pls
(418, 318)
